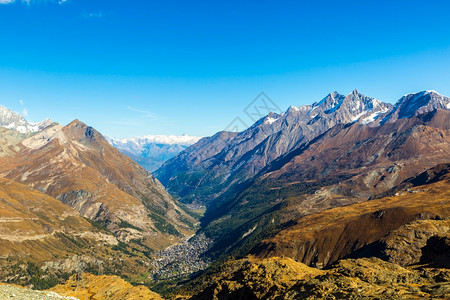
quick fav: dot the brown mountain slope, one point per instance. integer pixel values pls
(346, 165)
(377, 158)
(88, 286)
(76, 165)
(41, 239)
(284, 278)
(30, 221)
(322, 238)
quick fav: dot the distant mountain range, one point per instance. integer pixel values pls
(153, 150)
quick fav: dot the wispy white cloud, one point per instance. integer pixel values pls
(25, 110)
(7, 1)
(143, 113)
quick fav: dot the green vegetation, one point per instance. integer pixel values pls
(139, 246)
(79, 243)
(163, 226)
(98, 225)
(39, 279)
(125, 224)
(121, 246)
(256, 209)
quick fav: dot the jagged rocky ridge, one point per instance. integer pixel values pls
(15, 121)
(214, 164)
(340, 151)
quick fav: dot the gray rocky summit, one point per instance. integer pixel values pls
(216, 163)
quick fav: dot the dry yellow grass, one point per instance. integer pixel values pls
(103, 287)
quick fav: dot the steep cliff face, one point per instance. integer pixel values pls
(76, 165)
(418, 242)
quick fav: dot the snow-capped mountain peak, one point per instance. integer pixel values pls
(160, 139)
(17, 122)
(151, 151)
(417, 103)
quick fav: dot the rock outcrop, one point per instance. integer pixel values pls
(20, 293)
(408, 244)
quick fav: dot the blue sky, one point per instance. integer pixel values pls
(172, 67)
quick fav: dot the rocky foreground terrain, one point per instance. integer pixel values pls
(82, 286)
(284, 278)
(20, 293)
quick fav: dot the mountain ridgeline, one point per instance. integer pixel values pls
(340, 151)
(216, 163)
(71, 200)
